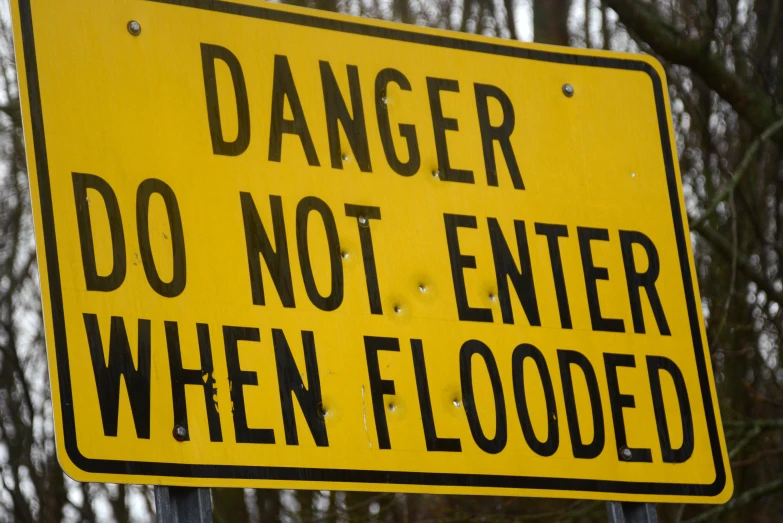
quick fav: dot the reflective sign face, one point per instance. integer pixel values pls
(292, 250)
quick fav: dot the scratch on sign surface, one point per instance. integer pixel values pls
(364, 417)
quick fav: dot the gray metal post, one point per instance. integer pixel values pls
(183, 505)
(627, 512)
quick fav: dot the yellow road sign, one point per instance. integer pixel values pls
(288, 249)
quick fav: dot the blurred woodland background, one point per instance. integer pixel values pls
(724, 62)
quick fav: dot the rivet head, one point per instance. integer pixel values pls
(180, 433)
(397, 309)
(392, 407)
(345, 255)
(134, 28)
(491, 297)
(362, 220)
(626, 453)
(384, 101)
(456, 403)
(568, 90)
(436, 173)
(345, 157)
(422, 288)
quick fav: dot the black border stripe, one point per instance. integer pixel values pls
(137, 470)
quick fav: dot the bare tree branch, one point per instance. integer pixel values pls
(768, 133)
(761, 423)
(726, 249)
(510, 22)
(750, 101)
(739, 501)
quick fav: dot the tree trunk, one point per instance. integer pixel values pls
(228, 505)
(550, 21)
(268, 503)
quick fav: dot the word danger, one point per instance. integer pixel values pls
(352, 121)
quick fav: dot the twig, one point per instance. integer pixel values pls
(733, 277)
(726, 250)
(739, 501)
(755, 431)
(679, 513)
(750, 101)
(756, 457)
(768, 133)
(761, 423)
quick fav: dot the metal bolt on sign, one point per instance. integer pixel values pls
(568, 90)
(134, 28)
(180, 433)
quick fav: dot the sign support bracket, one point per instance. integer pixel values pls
(183, 505)
(627, 512)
